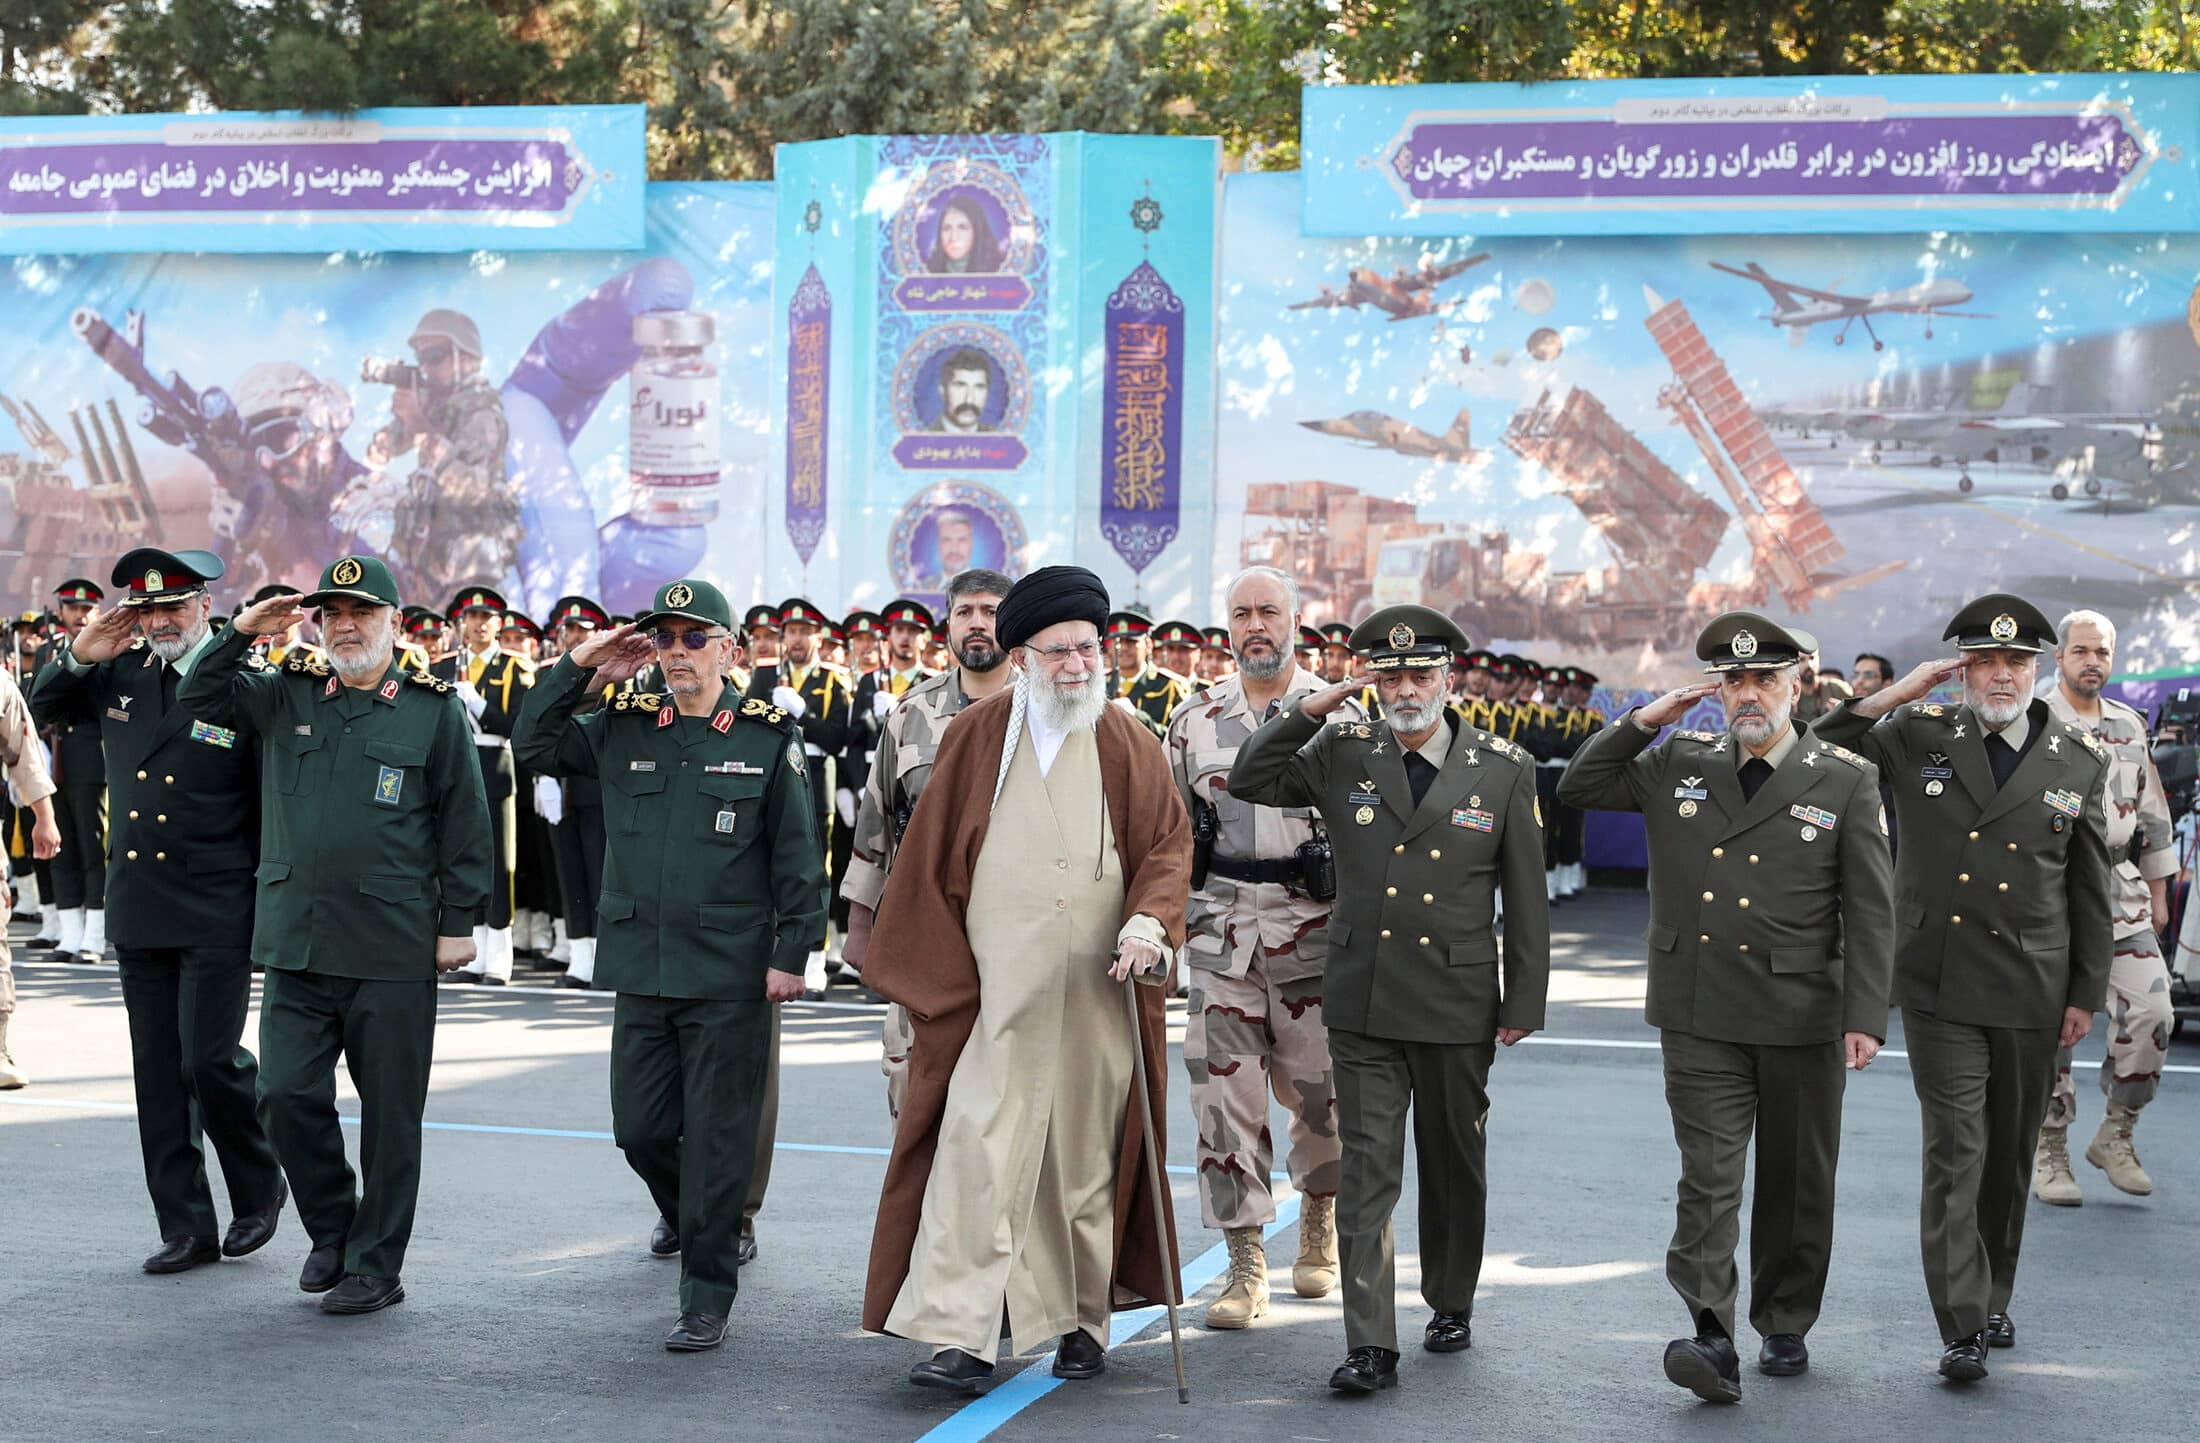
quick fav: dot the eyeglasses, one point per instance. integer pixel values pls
(692, 640)
(1056, 655)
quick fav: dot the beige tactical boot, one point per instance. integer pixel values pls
(1315, 1273)
(2052, 1181)
(2111, 1151)
(1246, 1296)
(11, 1076)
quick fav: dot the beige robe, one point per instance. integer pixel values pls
(1020, 1203)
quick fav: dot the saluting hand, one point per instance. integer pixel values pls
(1915, 686)
(615, 655)
(1674, 705)
(273, 616)
(1329, 698)
(106, 634)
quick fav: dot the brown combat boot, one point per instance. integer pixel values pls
(1245, 1296)
(2052, 1181)
(1315, 1273)
(2112, 1152)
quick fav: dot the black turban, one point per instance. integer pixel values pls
(1050, 595)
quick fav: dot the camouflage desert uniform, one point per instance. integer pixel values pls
(457, 520)
(907, 745)
(2139, 1012)
(1256, 952)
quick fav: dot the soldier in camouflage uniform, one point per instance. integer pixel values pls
(1256, 942)
(907, 744)
(2139, 1012)
(456, 515)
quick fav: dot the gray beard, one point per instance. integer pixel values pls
(1751, 731)
(1410, 719)
(370, 663)
(1995, 717)
(1077, 711)
(2087, 689)
(173, 651)
(1266, 667)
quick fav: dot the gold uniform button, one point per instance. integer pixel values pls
(141, 776)
(1390, 891)
(1428, 898)
(2012, 846)
(1435, 854)
(1424, 941)
(160, 856)
(1753, 859)
(131, 855)
(2001, 886)
(161, 818)
(1703, 936)
(1955, 921)
(1974, 836)
(1718, 851)
(171, 781)
(1400, 849)
(1745, 946)
(1707, 896)
(133, 816)
(1386, 934)
(1963, 876)
(1744, 902)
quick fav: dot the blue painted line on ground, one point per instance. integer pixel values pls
(978, 1420)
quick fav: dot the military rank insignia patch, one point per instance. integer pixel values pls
(1694, 736)
(1843, 753)
(2069, 803)
(1928, 708)
(637, 701)
(724, 824)
(795, 759)
(389, 785)
(389, 689)
(305, 664)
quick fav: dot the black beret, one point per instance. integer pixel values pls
(1046, 597)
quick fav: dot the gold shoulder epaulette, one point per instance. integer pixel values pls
(1354, 729)
(305, 665)
(758, 709)
(421, 678)
(253, 661)
(1844, 754)
(637, 701)
(1928, 708)
(1506, 748)
(2085, 736)
(1707, 738)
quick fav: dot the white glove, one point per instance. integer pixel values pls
(790, 701)
(476, 703)
(883, 701)
(844, 801)
(549, 800)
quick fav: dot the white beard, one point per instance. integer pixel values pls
(1411, 719)
(172, 651)
(372, 662)
(1998, 716)
(1073, 710)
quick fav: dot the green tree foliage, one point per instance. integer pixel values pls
(725, 80)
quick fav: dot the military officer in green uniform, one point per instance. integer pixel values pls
(1771, 944)
(374, 846)
(2004, 892)
(185, 835)
(713, 891)
(1429, 820)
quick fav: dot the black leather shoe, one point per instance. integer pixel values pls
(811, 994)
(358, 1293)
(696, 1332)
(1447, 1333)
(250, 1233)
(1079, 1356)
(569, 980)
(664, 1239)
(488, 981)
(461, 975)
(1706, 1366)
(744, 1252)
(1783, 1356)
(324, 1269)
(1964, 1360)
(179, 1255)
(954, 1371)
(1365, 1370)
(2001, 1331)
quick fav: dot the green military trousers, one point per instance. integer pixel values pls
(386, 1033)
(1983, 1092)
(1447, 1088)
(1789, 1098)
(687, 1091)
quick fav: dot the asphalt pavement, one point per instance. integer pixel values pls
(534, 1310)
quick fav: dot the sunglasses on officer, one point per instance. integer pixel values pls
(692, 640)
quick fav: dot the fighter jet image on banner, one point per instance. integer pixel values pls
(1801, 307)
(1388, 433)
(1407, 293)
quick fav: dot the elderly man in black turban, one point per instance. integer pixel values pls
(1046, 865)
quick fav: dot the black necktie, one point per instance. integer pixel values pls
(1755, 773)
(1420, 774)
(2001, 756)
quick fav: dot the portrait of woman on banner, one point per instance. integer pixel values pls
(966, 237)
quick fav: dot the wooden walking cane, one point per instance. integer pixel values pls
(1153, 1178)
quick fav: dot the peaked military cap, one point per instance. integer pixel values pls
(907, 611)
(477, 598)
(149, 574)
(2000, 620)
(578, 611)
(862, 623)
(273, 588)
(1408, 637)
(420, 620)
(1126, 623)
(78, 588)
(695, 600)
(521, 622)
(1215, 638)
(761, 618)
(1309, 639)
(365, 577)
(1336, 633)
(1175, 633)
(1479, 660)
(1747, 641)
(795, 609)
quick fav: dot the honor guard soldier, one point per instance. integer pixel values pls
(520, 636)
(1152, 692)
(713, 893)
(577, 835)
(1576, 723)
(866, 642)
(275, 650)
(422, 639)
(79, 869)
(1176, 651)
(1771, 945)
(903, 629)
(1255, 942)
(1216, 661)
(1476, 708)
(2005, 891)
(1429, 821)
(374, 838)
(760, 632)
(821, 699)
(183, 844)
(1309, 649)
(910, 739)
(1336, 652)
(492, 683)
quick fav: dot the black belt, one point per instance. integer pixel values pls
(1282, 869)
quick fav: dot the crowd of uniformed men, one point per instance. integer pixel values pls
(698, 815)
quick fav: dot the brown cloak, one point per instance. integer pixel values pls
(920, 957)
